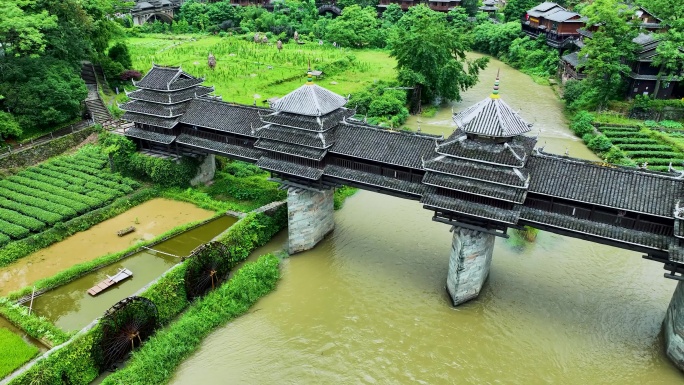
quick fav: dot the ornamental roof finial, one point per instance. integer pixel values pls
(495, 91)
(309, 75)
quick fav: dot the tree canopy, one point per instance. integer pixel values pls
(610, 49)
(42, 44)
(431, 57)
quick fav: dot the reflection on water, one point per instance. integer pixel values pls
(71, 308)
(368, 304)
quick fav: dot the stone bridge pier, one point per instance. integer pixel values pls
(309, 217)
(469, 262)
(673, 327)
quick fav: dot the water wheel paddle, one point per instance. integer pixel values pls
(207, 266)
(123, 328)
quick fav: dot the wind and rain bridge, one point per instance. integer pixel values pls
(486, 177)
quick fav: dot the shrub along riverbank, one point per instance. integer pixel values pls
(74, 364)
(157, 360)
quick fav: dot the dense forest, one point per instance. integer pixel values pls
(42, 44)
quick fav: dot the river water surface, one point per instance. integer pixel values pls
(368, 305)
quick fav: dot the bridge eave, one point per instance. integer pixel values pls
(649, 250)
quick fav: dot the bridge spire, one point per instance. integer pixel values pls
(309, 75)
(495, 91)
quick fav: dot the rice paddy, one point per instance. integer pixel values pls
(247, 72)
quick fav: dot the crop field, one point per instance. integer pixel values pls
(246, 71)
(42, 196)
(642, 147)
(15, 351)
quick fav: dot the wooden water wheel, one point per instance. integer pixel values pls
(123, 328)
(208, 265)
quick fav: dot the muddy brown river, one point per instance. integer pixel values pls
(368, 304)
(150, 219)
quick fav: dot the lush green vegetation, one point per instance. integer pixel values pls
(341, 194)
(246, 72)
(15, 351)
(74, 362)
(156, 361)
(43, 196)
(36, 327)
(44, 42)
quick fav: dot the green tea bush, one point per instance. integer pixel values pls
(614, 155)
(620, 129)
(644, 147)
(653, 154)
(635, 141)
(254, 188)
(55, 190)
(587, 138)
(30, 223)
(622, 134)
(39, 203)
(48, 196)
(23, 247)
(12, 230)
(4, 239)
(659, 161)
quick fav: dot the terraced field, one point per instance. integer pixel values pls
(42, 196)
(642, 147)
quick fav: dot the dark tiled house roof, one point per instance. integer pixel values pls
(477, 171)
(471, 208)
(223, 148)
(375, 180)
(513, 153)
(311, 123)
(311, 100)
(504, 193)
(625, 189)
(381, 145)
(154, 109)
(223, 117)
(491, 117)
(313, 139)
(595, 228)
(169, 97)
(150, 120)
(135, 132)
(283, 167)
(290, 149)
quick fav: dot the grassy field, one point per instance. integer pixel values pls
(246, 71)
(15, 352)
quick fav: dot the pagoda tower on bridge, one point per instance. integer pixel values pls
(480, 185)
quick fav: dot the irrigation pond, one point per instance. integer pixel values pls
(71, 308)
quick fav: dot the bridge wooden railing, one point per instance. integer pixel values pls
(596, 214)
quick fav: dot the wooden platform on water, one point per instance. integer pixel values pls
(110, 281)
(125, 231)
